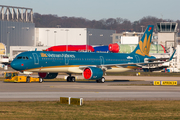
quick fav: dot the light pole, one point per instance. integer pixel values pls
(47, 37)
(142, 28)
(55, 37)
(66, 40)
(8, 40)
(88, 40)
(11, 27)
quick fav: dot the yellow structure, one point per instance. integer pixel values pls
(71, 101)
(165, 82)
(77, 101)
(13, 77)
(65, 100)
(2, 49)
(157, 83)
(168, 82)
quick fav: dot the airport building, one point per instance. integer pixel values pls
(72, 36)
(167, 34)
(164, 42)
(18, 34)
(16, 26)
(47, 37)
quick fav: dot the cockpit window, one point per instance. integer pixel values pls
(23, 57)
(20, 57)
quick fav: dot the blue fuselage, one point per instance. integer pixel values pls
(39, 60)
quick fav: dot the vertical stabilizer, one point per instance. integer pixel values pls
(144, 44)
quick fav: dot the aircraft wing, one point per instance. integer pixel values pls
(130, 64)
(108, 66)
(149, 61)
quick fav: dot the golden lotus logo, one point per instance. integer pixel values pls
(43, 55)
(144, 46)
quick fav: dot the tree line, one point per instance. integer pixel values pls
(118, 24)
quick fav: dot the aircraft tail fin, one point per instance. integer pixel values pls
(144, 44)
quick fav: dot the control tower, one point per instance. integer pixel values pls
(167, 34)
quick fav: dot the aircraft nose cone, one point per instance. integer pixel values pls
(15, 65)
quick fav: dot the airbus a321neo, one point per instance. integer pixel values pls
(92, 65)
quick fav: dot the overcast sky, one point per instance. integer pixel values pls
(132, 10)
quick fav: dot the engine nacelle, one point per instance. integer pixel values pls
(92, 73)
(48, 75)
(114, 48)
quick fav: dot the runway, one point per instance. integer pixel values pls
(144, 78)
(90, 90)
(54, 96)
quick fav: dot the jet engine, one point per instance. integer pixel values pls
(92, 73)
(47, 75)
(114, 48)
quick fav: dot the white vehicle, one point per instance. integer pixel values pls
(4, 61)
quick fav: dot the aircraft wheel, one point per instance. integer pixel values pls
(73, 79)
(102, 80)
(68, 79)
(40, 80)
(28, 79)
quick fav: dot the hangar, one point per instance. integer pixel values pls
(16, 26)
(72, 36)
(17, 30)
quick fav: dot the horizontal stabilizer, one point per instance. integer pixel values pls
(163, 59)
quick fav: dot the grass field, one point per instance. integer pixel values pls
(94, 110)
(91, 110)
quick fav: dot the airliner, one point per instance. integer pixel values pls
(92, 65)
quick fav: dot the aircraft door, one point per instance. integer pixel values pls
(66, 60)
(36, 59)
(137, 58)
(101, 60)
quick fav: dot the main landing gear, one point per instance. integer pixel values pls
(71, 78)
(101, 80)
